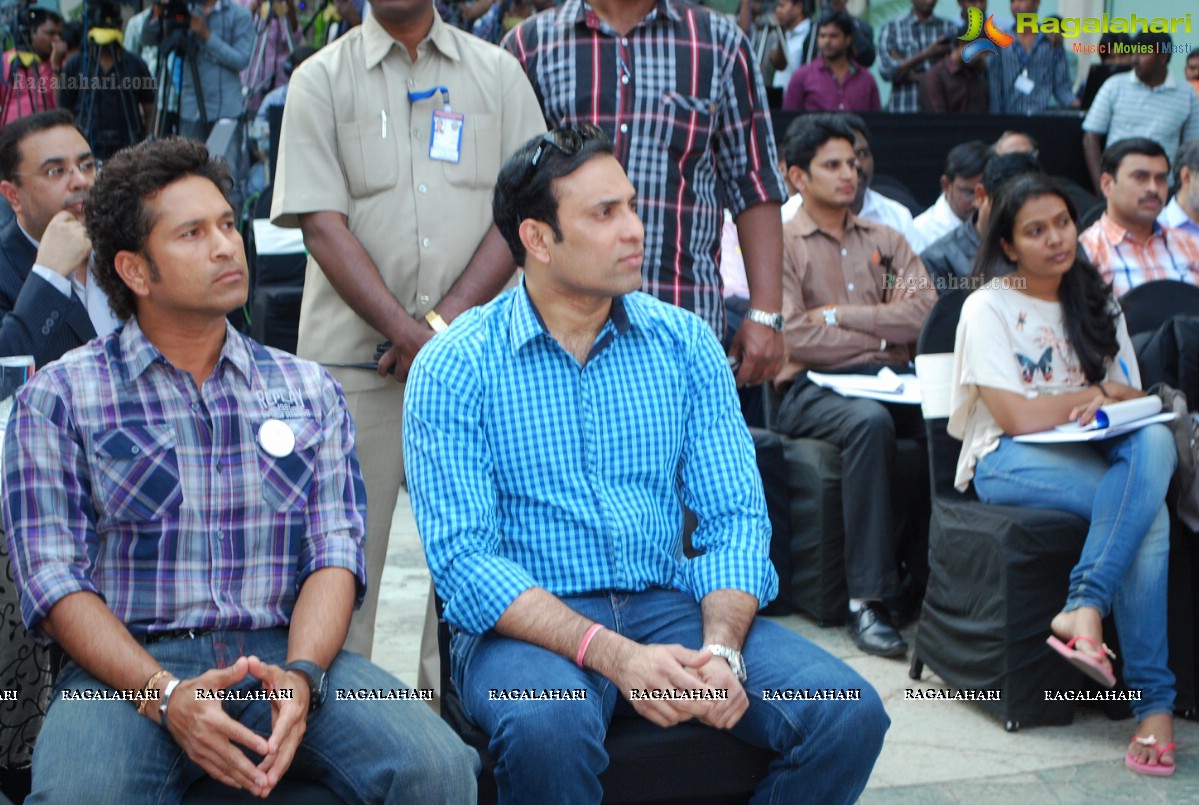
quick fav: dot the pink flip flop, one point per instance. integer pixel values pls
(1157, 769)
(1093, 665)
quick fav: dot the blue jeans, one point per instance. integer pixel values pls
(553, 751)
(1119, 485)
(364, 751)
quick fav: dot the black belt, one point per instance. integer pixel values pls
(171, 634)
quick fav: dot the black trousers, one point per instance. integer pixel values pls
(865, 432)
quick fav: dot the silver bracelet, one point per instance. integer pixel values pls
(166, 700)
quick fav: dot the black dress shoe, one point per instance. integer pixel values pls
(873, 633)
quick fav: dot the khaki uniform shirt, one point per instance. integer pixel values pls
(873, 278)
(354, 143)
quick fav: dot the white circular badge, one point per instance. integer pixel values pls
(276, 438)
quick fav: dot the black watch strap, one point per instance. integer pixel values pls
(318, 682)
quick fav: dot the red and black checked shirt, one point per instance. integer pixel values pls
(683, 100)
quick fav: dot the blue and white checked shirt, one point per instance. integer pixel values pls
(527, 470)
(1046, 66)
(123, 479)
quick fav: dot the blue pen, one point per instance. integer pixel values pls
(1124, 368)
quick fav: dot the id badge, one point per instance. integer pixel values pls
(1024, 85)
(445, 139)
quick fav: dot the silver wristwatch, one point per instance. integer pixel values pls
(774, 321)
(735, 660)
(830, 316)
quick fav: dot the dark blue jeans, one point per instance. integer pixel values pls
(553, 751)
(364, 751)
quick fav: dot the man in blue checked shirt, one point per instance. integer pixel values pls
(185, 517)
(553, 437)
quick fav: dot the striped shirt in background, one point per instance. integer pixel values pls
(1125, 107)
(685, 104)
(900, 39)
(1169, 254)
(1045, 66)
(123, 479)
(526, 468)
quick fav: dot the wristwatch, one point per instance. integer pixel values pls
(436, 321)
(830, 316)
(318, 682)
(735, 660)
(774, 321)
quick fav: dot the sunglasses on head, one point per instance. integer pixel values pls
(568, 139)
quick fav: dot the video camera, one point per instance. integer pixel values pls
(103, 14)
(22, 18)
(176, 15)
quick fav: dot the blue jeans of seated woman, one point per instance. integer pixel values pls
(395, 751)
(553, 751)
(1119, 485)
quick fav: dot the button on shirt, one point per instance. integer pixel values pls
(1169, 254)
(123, 479)
(1125, 107)
(580, 491)
(691, 127)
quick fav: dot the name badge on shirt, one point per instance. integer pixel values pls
(1024, 85)
(445, 139)
(277, 438)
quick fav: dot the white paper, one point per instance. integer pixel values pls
(1120, 413)
(886, 386)
(1056, 436)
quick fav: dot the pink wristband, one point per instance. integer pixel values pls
(595, 627)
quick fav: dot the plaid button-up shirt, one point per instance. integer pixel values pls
(1169, 254)
(901, 39)
(124, 479)
(684, 102)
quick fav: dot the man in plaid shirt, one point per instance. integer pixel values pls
(908, 47)
(677, 89)
(185, 517)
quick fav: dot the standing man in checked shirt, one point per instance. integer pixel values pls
(1025, 76)
(676, 88)
(908, 47)
(185, 515)
(559, 553)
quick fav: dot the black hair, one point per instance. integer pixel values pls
(524, 190)
(1114, 154)
(40, 16)
(1088, 315)
(1160, 41)
(13, 134)
(1194, 54)
(839, 18)
(966, 159)
(1001, 167)
(118, 219)
(72, 34)
(807, 133)
(855, 122)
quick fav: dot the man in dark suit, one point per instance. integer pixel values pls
(46, 171)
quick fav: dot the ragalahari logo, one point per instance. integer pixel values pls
(975, 27)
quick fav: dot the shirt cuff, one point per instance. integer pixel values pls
(57, 281)
(339, 549)
(44, 589)
(491, 585)
(733, 570)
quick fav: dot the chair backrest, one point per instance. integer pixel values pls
(934, 367)
(1088, 216)
(1149, 306)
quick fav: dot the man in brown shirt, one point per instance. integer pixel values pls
(953, 86)
(854, 298)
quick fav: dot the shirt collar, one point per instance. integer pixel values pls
(1167, 84)
(578, 12)
(1174, 215)
(527, 323)
(138, 354)
(377, 43)
(807, 227)
(1114, 234)
(821, 64)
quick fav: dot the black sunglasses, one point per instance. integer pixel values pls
(569, 140)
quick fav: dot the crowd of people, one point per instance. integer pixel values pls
(573, 242)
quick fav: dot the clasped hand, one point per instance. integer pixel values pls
(675, 668)
(215, 741)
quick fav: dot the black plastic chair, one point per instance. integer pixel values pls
(1149, 306)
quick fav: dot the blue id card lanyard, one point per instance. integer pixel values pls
(445, 132)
